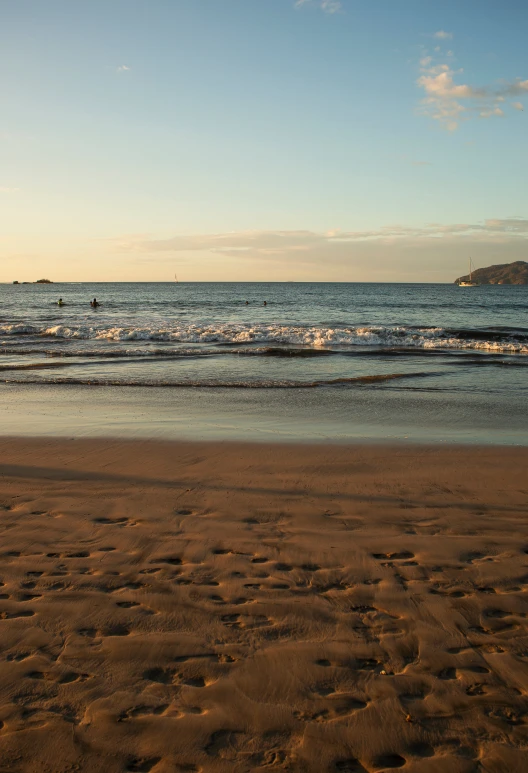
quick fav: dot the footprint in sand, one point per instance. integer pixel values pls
(160, 675)
(419, 693)
(18, 656)
(337, 706)
(440, 590)
(447, 674)
(385, 761)
(142, 764)
(350, 765)
(115, 522)
(16, 614)
(374, 623)
(476, 689)
(506, 714)
(79, 554)
(246, 622)
(476, 556)
(93, 634)
(133, 604)
(170, 560)
(193, 681)
(65, 678)
(396, 556)
(421, 750)
(336, 585)
(170, 676)
(143, 711)
(236, 602)
(496, 614)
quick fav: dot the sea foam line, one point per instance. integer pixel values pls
(311, 336)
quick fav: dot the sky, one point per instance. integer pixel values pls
(262, 140)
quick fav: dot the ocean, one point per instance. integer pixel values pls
(298, 360)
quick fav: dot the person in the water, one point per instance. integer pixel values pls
(60, 302)
(265, 303)
(95, 303)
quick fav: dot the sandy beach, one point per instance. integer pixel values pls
(225, 607)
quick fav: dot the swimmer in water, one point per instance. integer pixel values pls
(95, 303)
(247, 303)
(265, 303)
(60, 302)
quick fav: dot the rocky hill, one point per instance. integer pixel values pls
(504, 274)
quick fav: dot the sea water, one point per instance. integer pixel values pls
(298, 360)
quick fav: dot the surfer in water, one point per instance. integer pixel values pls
(95, 303)
(60, 302)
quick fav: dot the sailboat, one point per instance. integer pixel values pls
(468, 282)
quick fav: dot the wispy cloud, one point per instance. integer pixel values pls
(443, 35)
(269, 242)
(393, 250)
(122, 68)
(328, 6)
(4, 189)
(449, 102)
(518, 105)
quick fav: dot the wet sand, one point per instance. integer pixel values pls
(175, 607)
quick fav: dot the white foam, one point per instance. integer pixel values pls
(314, 336)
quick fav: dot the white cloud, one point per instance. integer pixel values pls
(4, 189)
(328, 6)
(442, 35)
(518, 105)
(281, 242)
(392, 251)
(488, 112)
(449, 102)
(123, 68)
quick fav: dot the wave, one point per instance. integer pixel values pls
(324, 338)
(220, 384)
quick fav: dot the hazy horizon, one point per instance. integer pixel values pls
(292, 140)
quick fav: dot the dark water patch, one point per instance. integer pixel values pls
(218, 384)
(276, 351)
(504, 334)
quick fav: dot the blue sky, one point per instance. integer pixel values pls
(379, 140)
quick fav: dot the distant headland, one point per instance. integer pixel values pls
(38, 282)
(504, 274)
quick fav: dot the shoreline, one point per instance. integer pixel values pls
(228, 607)
(370, 414)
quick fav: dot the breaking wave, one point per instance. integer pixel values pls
(321, 338)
